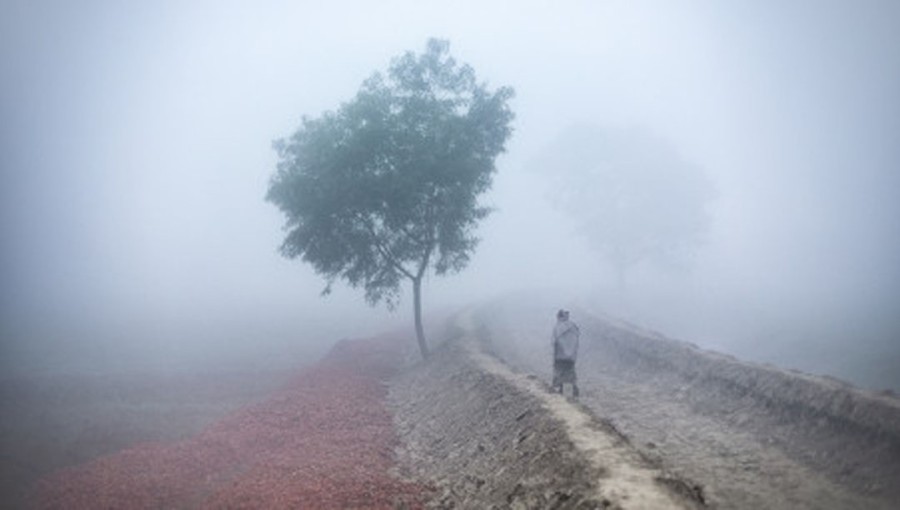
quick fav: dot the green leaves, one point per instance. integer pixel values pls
(387, 186)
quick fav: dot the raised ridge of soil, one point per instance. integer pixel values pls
(488, 438)
(752, 435)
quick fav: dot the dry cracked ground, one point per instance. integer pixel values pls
(660, 424)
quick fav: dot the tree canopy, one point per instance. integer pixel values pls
(386, 187)
(632, 195)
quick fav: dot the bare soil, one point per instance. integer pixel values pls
(751, 436)
(323, 440)
(660, 424)
(490, 438)
(55, 421)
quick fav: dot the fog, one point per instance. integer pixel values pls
(136, 152)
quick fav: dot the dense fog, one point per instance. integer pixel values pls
(137, 149)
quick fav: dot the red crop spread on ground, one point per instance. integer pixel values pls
(325, 441)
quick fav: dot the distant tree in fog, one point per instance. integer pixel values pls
(630, 193)
(386, 187)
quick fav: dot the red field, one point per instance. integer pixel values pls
(325, 440)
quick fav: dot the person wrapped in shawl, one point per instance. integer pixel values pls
(565, 351)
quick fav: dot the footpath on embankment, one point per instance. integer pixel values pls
(748, 435)
(487, 437)
(660, 424)
(361, 430)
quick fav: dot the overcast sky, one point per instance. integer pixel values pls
(136, 151)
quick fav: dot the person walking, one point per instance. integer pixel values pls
(565, 352)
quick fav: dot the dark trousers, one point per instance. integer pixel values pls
(564, 372)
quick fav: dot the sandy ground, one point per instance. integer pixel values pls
(737, 466)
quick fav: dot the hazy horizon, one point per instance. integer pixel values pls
(136, 153)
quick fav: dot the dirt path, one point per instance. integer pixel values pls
(737, 470)
(737, 467)
(490, 438)
(625, 479)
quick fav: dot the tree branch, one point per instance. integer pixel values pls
(424, 265)
(428, 250)
(383, 250)
(414, 238)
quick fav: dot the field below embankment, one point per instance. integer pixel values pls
(50, 422)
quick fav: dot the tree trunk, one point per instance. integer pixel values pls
(417, 304)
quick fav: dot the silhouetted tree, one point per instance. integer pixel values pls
(630, 193)
(386, 187)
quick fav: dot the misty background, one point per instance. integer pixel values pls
(136, 152)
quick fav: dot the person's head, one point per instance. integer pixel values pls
(562, 315)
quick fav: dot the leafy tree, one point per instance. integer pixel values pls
(386, 187)
(631, 194)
